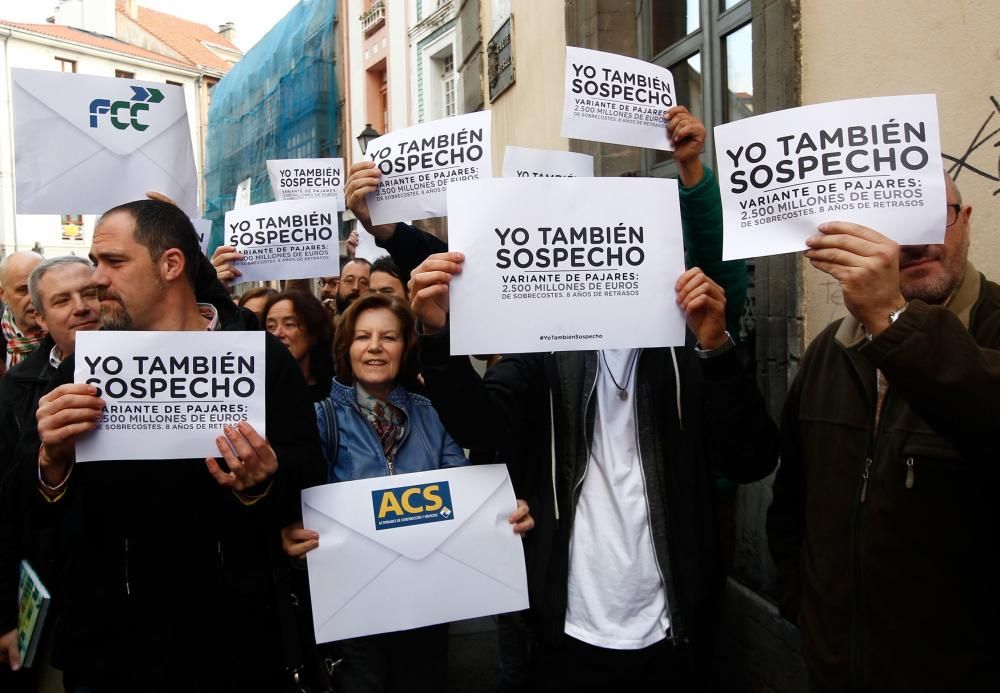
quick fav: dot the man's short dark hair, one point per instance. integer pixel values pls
(359, 260)
(385, 264)
(160, 226)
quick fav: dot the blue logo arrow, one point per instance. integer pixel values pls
(142, 94)
(139, 94)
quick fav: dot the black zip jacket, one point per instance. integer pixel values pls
(19, 393)
(720, 425)
(884, 535)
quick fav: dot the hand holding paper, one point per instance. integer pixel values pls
(224, 259)
(704, 305)
(63, 415)
(429, 289)
(866, 264)
(363, 181)
(687, 135)
(250, 458)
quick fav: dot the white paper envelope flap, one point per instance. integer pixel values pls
(411, 514)
(122, 115)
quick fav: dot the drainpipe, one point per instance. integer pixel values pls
(10, 125)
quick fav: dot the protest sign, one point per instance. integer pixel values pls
(613, 98)
(367, 250)
(577, 263)
(299, 179)
(419, 162)
(88, 144)
(295, 239)
(202, 227)
(411, 550)
(168, 395)
(242, 200)
(874, 162)
(522, 162)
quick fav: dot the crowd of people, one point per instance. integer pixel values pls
(188, 575)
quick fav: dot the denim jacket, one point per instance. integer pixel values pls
(358, 454)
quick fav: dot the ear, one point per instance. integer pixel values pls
(171, 265)
(41, 321)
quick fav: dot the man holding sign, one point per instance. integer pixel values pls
(622, 444)
(163, 572)
(884, 513)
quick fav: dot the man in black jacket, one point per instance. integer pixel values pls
(884, 510)
(627, 576)
(162, 569)
(65, 301)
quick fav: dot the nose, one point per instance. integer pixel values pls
(375, 344)
(99, 278)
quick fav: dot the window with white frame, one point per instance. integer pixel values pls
(448, 85)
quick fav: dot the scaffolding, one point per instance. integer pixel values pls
(278, 102)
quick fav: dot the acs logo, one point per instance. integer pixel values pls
(412, 505)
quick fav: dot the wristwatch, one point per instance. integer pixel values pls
(893, 317)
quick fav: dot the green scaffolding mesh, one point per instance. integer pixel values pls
(279, 102)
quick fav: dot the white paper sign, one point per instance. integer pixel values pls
(522, 162)
(577, 263)
(419, 162)
(295, 239)
(411, 550)
(203, 227)
(613, 98)
(169, 394)
(875, 162)
(242, 200)
(299, 179)
(88, 144)
(367, 250)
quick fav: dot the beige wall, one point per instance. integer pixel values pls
(529, 113)
(858, 48)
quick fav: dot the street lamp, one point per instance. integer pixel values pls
(366, 136)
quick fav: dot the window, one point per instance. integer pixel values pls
(72, 227)
(448, 85)
(706, 44)
(175, 84)
(66, 65)
(124, 74)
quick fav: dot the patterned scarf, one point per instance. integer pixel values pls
(18, 346)
(388, 422)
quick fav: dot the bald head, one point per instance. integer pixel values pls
(14, 272)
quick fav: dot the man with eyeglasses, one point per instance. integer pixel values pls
(884, 518)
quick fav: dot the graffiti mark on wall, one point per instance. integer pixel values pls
(982, 156)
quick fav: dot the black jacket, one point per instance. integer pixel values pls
(720, 425)
(159, 573)
(884, 533)
(19, 393)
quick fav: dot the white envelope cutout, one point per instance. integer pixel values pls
(64, 165)
(365, 580)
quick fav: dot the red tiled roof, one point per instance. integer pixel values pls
(184, 36)
(86, 38)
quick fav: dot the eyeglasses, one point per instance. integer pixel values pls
(952, 216)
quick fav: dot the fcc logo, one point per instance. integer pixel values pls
(412, 505)
(125, 114)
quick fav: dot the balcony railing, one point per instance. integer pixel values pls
(374, 17)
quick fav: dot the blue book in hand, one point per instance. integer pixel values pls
(32, 606)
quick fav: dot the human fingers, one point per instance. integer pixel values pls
(362, 165)
(11, 651)
(676, 112)
(67, 389)
(688, 130)
(852, 229)
(714, 292)
(520, 512)
(297, 541)
(226, 259)
(160, 197)
(441, 262)
(223, 250)
(236, 473)
(691, 280)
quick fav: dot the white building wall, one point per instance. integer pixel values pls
(21, 232)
